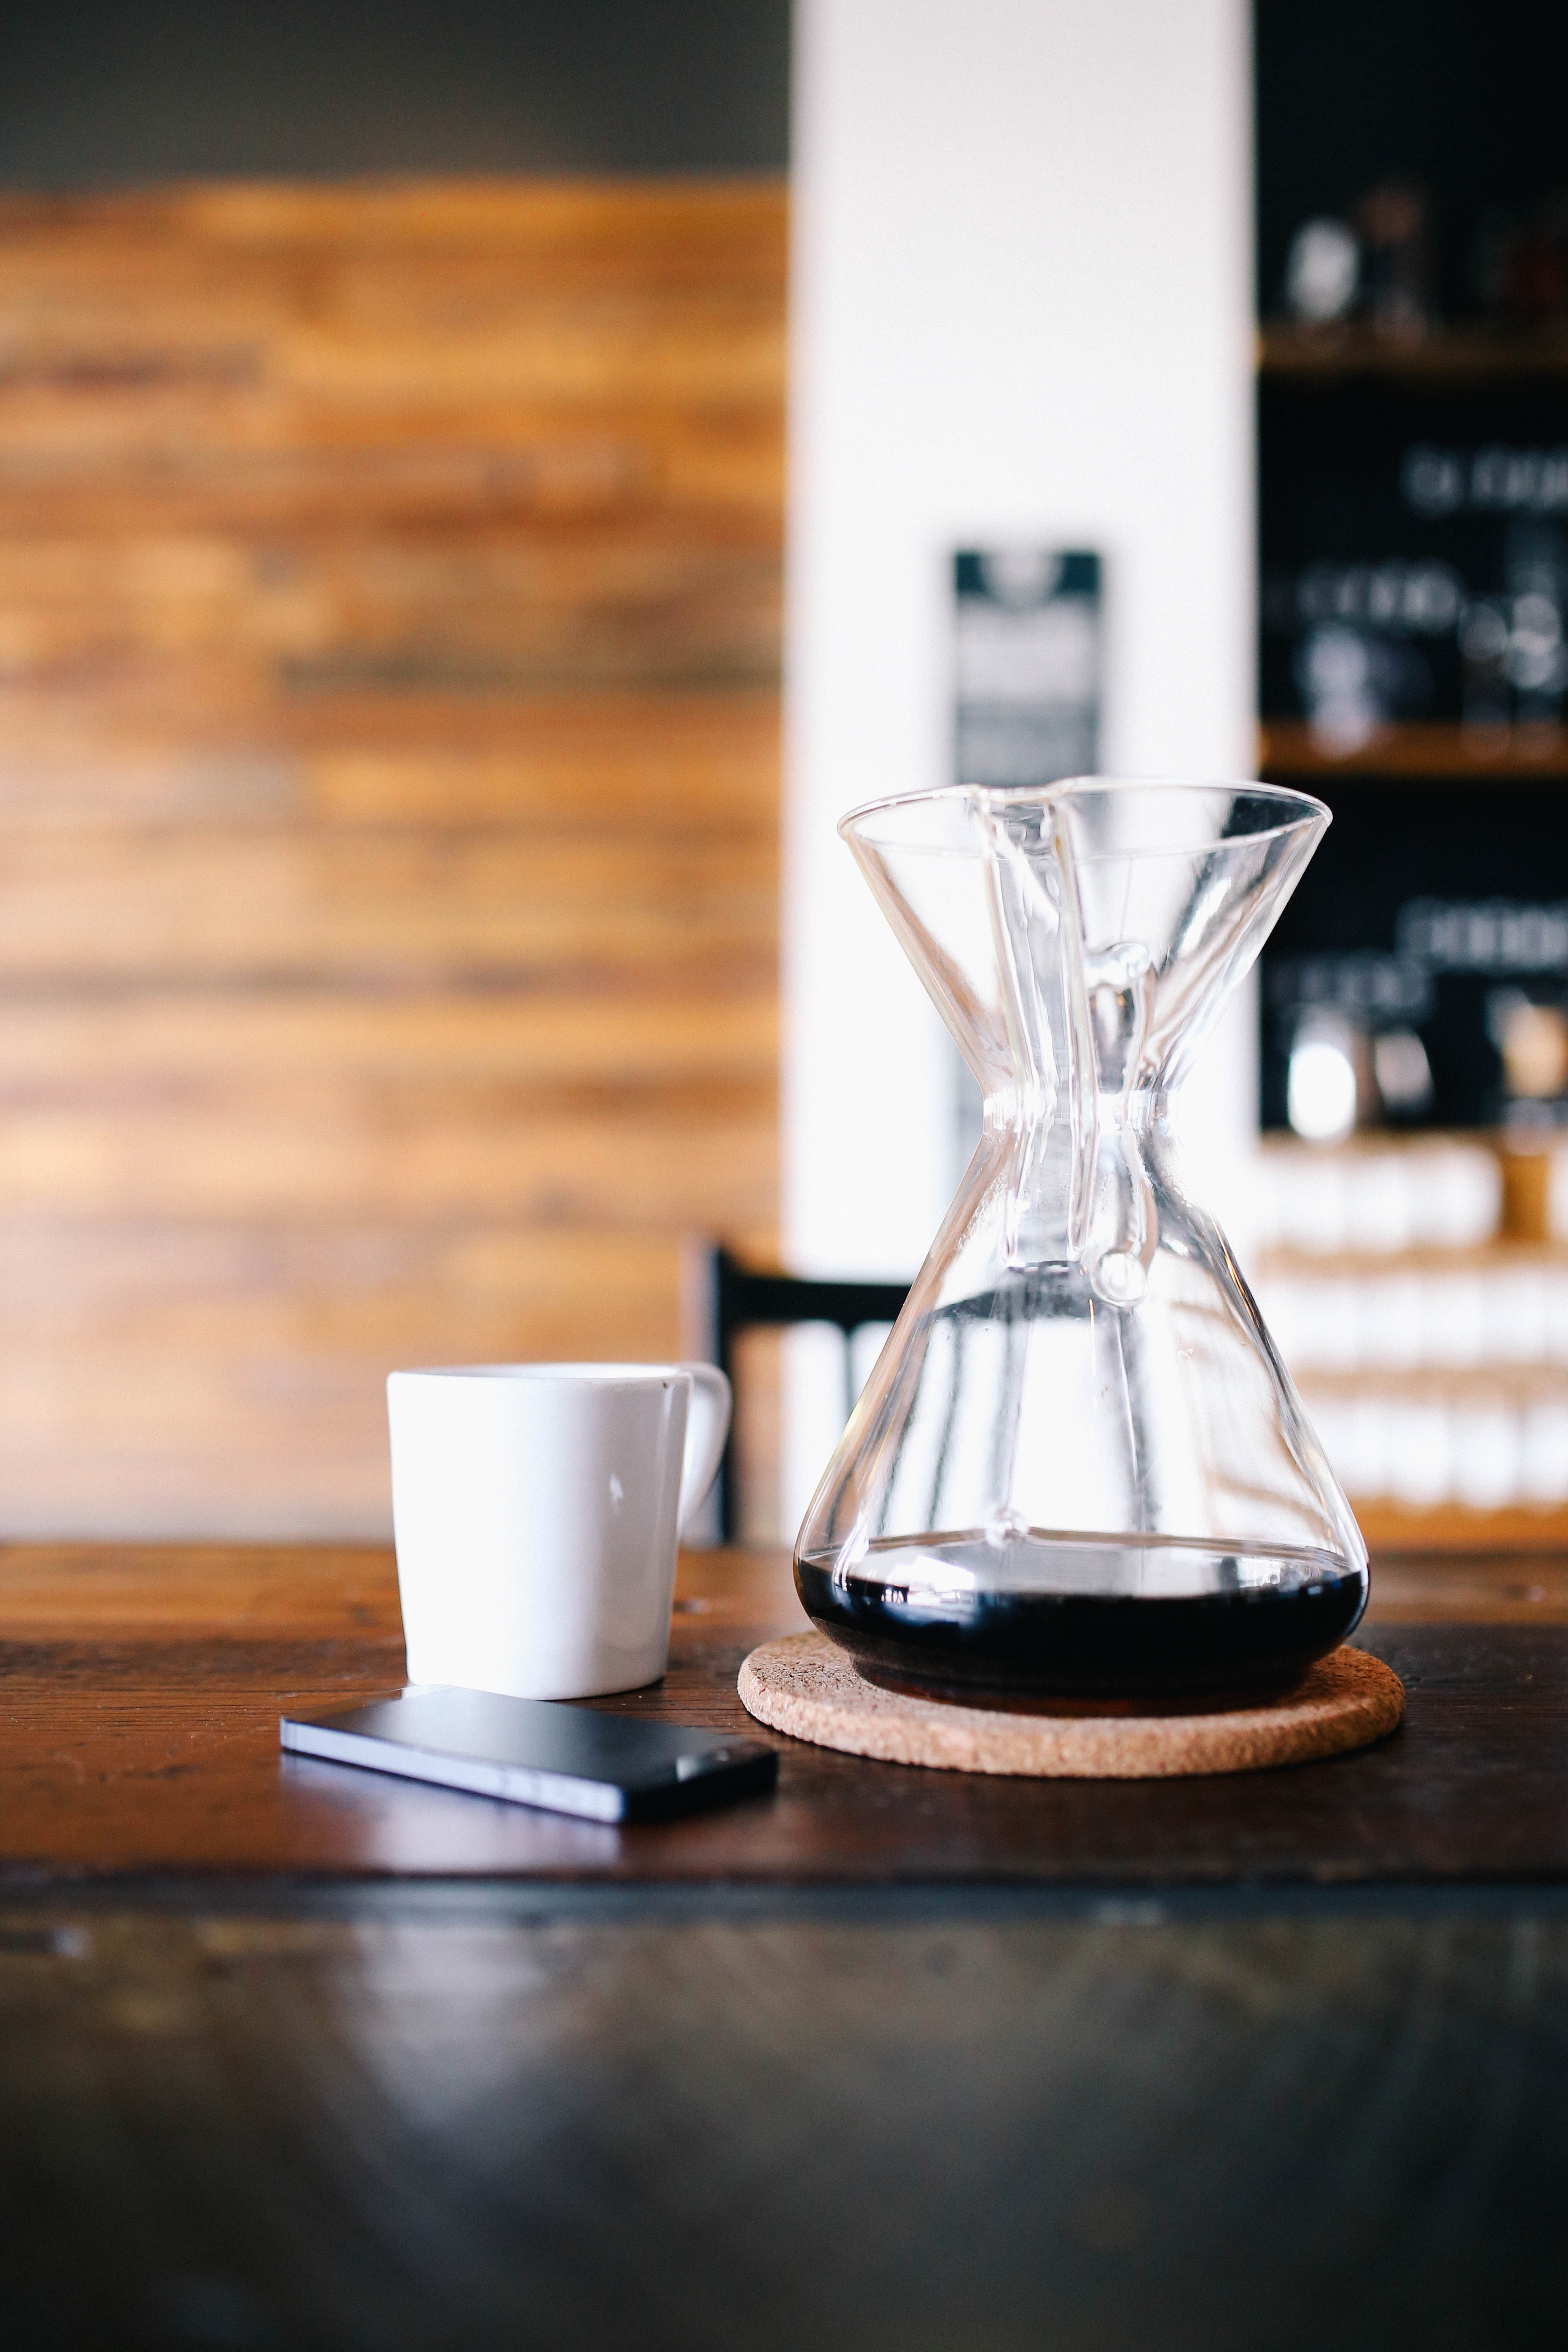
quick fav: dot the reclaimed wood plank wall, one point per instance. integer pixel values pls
(389, 644)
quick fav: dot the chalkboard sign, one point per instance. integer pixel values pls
(1026, 641)
(1027, 644)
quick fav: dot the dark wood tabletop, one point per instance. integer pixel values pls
(141, 1688)
(296, 2055)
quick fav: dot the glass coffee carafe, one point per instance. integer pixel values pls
(1079, 1466)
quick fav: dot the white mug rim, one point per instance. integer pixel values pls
(582, 1375)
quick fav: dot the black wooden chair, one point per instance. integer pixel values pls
(736, 1298)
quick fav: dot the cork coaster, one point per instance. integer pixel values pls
(807, 1686)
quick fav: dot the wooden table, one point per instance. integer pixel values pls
(143, 1687)
(296, 2055)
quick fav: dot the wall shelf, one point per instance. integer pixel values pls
(1454, 1528)
(1446, 354)
(1288, 747)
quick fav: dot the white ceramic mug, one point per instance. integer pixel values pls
(537, 1509)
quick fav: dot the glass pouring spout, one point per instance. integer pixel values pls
(1080, 1463)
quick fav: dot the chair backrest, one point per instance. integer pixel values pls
(738, 1299)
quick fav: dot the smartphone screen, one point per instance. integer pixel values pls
(569, 1760)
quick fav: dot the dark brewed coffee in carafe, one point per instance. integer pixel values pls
(1080, 1467)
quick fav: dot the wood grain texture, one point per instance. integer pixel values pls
(231, 1375)
(389, 638)
(375, 2069)
(139, 1736)
(399, 2128)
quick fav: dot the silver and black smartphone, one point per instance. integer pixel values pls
(569, 1760)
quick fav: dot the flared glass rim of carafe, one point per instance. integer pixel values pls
(878, 822)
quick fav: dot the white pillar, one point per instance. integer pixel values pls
(1021, 310)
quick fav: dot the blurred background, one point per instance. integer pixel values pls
(422, 926)
(1413, 546)
(390, 475)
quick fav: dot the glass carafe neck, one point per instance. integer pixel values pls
(1148, 1111)
(1131, 1164)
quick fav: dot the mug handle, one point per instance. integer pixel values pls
(707, 1427)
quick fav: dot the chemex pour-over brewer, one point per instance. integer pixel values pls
(1079, 1465)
